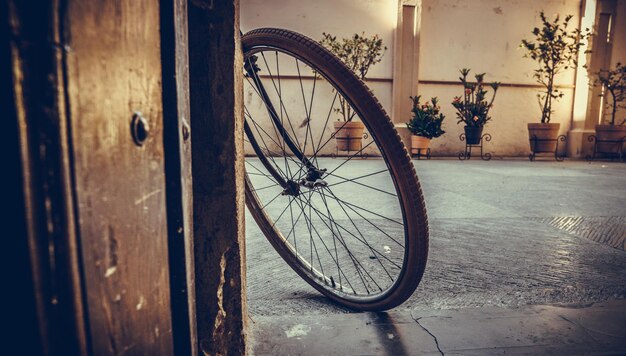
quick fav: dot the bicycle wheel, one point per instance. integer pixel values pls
(355, 229)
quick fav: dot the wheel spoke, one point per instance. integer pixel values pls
(354, 262)
(270, 202)
(335, 261)
(274, 153)
(322, 216)
(312, 245)
(283, 212)
(285, 134)
(371, 223)
(350, 158)
(266, 187)
(369, 211)
(360, 234)
(282, 122)
(309, 129)
(353, 180)
(330, 111)
(332, 232)
(267, 149)
(357, 265)
(307, 108)
(280, 99)
(259, 172)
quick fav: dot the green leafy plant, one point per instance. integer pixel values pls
(359, 53)
(555, 48)
(614, 83)
(473, 108)
(426, 118)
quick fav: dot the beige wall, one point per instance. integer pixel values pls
(484, 35)
(618, 51)
(619, 31)
(479, 34)
(341, 18)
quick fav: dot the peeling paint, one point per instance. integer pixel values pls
(220, 317)
(111, 256)
(147, 196)
(110, 271)
(142, 303)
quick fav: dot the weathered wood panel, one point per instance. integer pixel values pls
(48, 279)
(177, 141)
(114, 70)
(215, 72)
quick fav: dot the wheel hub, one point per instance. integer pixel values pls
(292, 189)
(313, 178)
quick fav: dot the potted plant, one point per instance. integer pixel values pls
(359, 53)
(425, 123)
(555, 48)
(614, 82)
(473, 108)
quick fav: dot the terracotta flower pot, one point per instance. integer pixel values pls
(609, 133)
(419, 143)
(473, 134)
(543, 132)
(348, 135)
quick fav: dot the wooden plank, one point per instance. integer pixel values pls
(177, 136)
(114, 70)
(16, 250)
(38, 107)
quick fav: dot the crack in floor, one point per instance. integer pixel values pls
(589, 331)
(580, 326)
(417, 320)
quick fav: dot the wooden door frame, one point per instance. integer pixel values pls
(177, 143)
(48, 293)
(45, 209)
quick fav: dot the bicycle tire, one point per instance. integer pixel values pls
(392, 150)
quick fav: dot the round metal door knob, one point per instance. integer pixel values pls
(139, 128)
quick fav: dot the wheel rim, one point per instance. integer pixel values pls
(343, 243)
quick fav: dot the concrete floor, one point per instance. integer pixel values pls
(507, 238)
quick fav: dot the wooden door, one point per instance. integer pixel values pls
(113, 60)
(99, 272)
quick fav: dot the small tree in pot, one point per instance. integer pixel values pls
(473, 108)
(425, 123)
(555, 48)
(614, 83)
(359, 53)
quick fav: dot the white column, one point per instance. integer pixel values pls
(405, 63)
